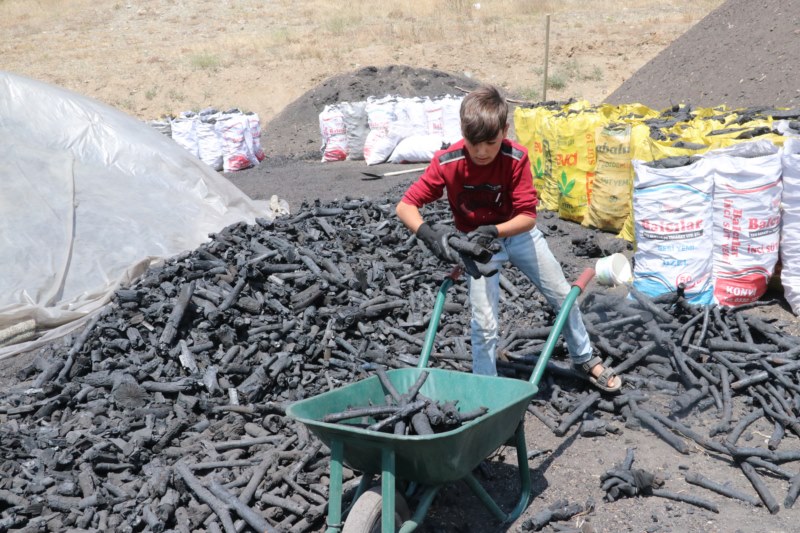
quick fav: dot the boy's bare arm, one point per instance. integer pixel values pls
(409, 215)
(515, 226)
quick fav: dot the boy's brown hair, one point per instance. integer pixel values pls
(484, 114)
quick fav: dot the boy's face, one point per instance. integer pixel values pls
(483, 153)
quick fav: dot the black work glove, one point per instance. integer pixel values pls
(484, 244)
(483, 235)
(436, 241)
(476, 270)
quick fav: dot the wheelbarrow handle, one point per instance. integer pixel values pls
(456, 273)
(584, 279)
(561, 318)
(438, 307)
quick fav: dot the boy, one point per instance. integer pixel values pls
(490, 190)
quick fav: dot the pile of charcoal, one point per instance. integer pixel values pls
(166, 412)
(701, 358)
(409, 413)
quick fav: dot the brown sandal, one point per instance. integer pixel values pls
(601, 381)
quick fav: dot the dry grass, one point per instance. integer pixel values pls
(118, 50)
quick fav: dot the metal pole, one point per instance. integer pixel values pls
(546, 56)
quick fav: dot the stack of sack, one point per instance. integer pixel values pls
(390, 129)
(224, 140)
(707, 196)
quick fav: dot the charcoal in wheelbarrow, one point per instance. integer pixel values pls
(428, 459)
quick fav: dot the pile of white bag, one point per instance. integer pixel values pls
(224, 140)
(389, 129)
(714, 224)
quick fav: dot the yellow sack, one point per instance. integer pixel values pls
(631, 113)
(754, 129)
(709, 112)
(665, 149)
(546, 186)
(613, 179)
(529, 126)
(574, 162)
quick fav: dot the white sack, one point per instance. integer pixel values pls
(673, 226)
(411, 111)
(334, 138)
(747, 219)
(434, 112)
(209, 141)
(416, 149)
(356, 128)
(381, 139)
(257, 151)
(790, 230)
(237, 142)
(184, 132)
(91, 198)
(451, 119)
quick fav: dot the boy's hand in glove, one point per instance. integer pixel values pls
(483, 235)
(484, 245)
(475, 269)
(436, 241)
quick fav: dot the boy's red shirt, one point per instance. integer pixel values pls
(478, 194)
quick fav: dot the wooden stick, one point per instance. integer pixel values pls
(730, 492)
(657, 428)
(255, 520)
(686, 498)
(405, 411)
(175, 317)
(760, 486)
(573, 417)
(794, 490)
(206, 497)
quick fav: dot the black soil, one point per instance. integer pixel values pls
(294, 132)
(745, 53)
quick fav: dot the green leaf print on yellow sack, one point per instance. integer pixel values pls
(538, 170)
(565, 186)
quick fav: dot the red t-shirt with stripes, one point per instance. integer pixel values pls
(478, 194)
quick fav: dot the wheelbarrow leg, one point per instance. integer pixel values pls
(387, 490)
(484, 497)
(335, 488)
(425, 501)
(525, 481)
(524, 474)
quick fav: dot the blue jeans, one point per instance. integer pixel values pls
(530, 253)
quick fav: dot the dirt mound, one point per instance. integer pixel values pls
(294, 132)
(743, 54)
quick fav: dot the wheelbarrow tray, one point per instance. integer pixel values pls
(428, 459)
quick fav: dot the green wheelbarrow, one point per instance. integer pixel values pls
(426, 462)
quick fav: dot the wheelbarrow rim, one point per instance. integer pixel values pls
(339, 427)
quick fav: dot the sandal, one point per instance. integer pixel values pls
(601, 381)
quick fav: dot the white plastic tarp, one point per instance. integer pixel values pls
(90, 198)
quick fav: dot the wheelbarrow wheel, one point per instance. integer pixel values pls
(365, 515)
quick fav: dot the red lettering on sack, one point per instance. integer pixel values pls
(672, 227)
(764, 249)
(686, 279)
(756, 223)
(567, 160)
(740, 290)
